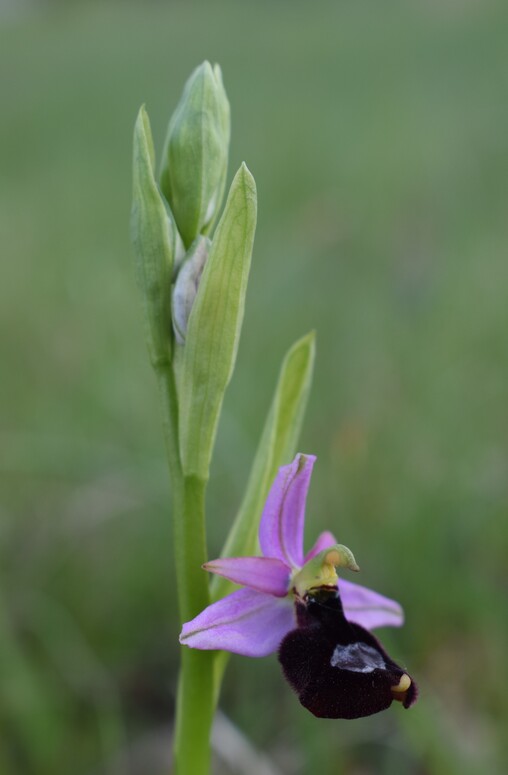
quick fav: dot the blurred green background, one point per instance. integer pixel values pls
(378, 136)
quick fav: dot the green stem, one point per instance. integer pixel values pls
(195, 704)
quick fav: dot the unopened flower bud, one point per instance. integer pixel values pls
(194, 166)
(186, 286)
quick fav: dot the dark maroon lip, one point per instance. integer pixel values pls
(337, 668)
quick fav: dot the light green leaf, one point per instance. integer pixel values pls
(276, 448)
(214, 326)
(154, 237)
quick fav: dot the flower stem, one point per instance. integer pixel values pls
(195, 703)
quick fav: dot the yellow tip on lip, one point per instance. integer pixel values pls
(403, 685)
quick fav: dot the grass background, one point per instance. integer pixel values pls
(378, 136)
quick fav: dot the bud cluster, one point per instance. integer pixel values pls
(193, 281)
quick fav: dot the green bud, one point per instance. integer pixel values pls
(186, 286)
(155, 240)
(195, 158)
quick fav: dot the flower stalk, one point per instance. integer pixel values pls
(193, 284)
(195, 696)
(166, 216)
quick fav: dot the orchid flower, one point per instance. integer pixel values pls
(296, 604)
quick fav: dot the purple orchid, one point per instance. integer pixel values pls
(296, 604)
(253, 621)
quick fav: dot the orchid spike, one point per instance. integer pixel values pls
(277, 607)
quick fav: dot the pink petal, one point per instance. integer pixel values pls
(282, 522)
(324, 540)
(245, 622)
(367, 608)
(262, 573)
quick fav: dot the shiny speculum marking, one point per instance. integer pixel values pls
(357, 657)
